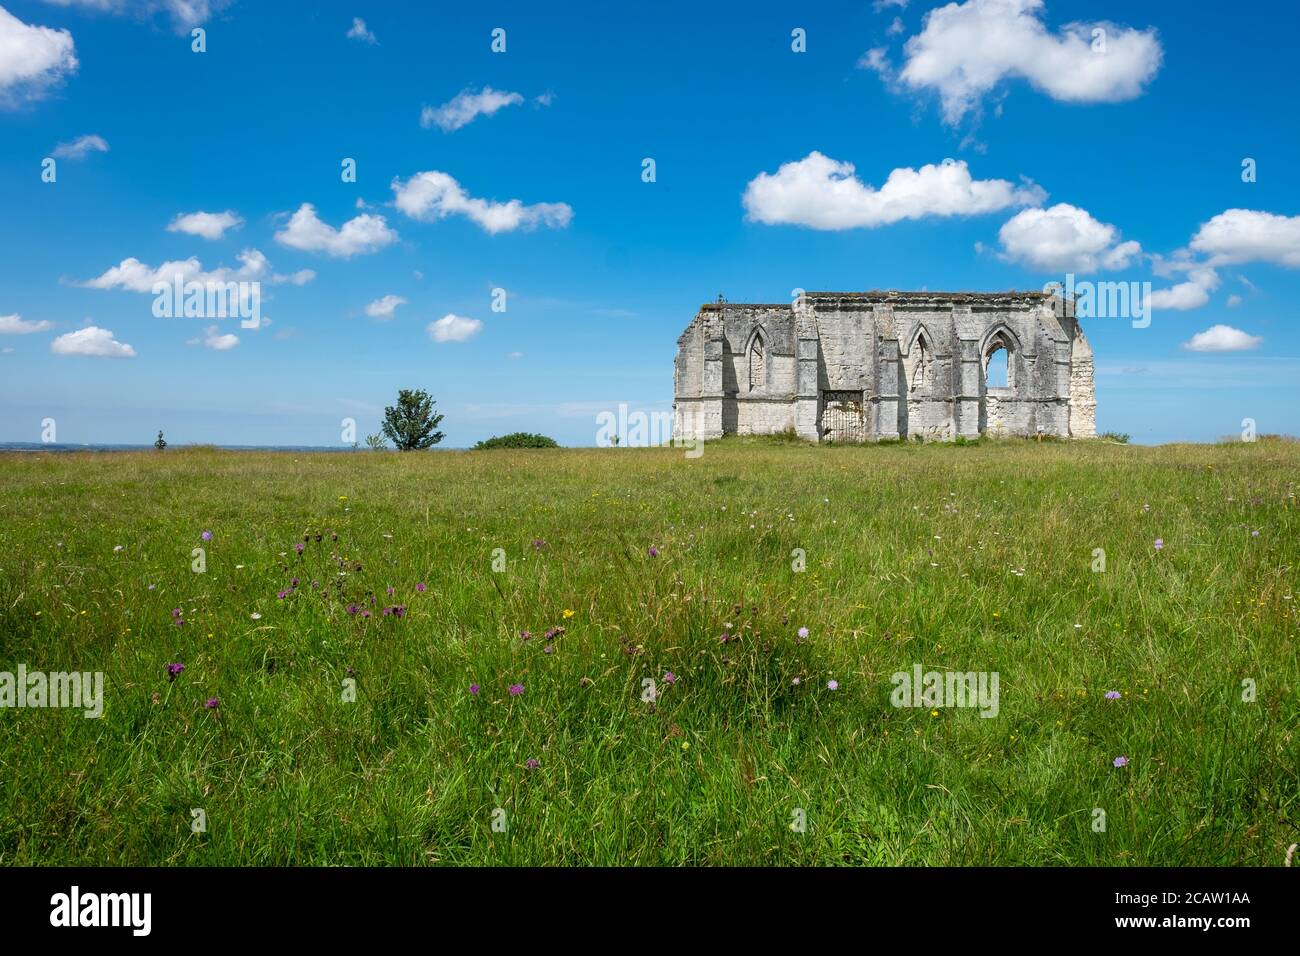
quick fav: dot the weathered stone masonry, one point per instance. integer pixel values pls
(864, 366)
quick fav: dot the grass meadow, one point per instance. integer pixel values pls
(312, 728)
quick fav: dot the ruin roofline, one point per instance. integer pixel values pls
(891, 295)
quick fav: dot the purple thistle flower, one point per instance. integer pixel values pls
(281, 594)
(548, 649)
(670, 677)
(1160, 543)
(293, 582)
(391, 590)
(832, 685)
(474, 689)
(174, 670)
(525, 635)
(725, 637)
(421, 587)
(653, 552)
(212, 703)
(399, 610)
(206, 536)
(353, 609)
(803, 632)
(1121, 761)
(299, 547)
(516, 690)
(532, 763)
(1112, 695)
(538, 544)
(176, 612)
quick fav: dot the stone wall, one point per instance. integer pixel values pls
(918, 361)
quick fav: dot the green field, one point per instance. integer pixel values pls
(968, 559)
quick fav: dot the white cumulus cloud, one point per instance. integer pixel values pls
(184, 14)
(15, 324)
(1235, 236)
(453, 328)
(964, 50)
(435, 195)
(91, 341)
(361, 32)
(1222, 338)
(1064, 238)
(821, 193)
(32, 59)
(79, 147)
(209, 225)
(132, 275)
(213, 339)
(363, 234)
(385, 307)
(466, 107)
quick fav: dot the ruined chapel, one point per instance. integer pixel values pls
(868, 366)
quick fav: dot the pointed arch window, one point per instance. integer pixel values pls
(757, 363)
(919, 364)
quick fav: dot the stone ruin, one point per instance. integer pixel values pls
(869, 366)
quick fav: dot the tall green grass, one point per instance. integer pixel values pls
(956, 558)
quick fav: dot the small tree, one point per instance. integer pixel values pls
(376, 442)
(161, 443)
(412, 424)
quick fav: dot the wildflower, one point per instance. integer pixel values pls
(803, 632)
(516, 690)
(353, 609)
(255, 616)
(1121, 761)
(421, 587)
(391, 590)
(686, 745)
(474, 689)
(548, 649)
(174, 670)
(1160, 543)
(299, 547)
(670, 677)
(527, 635)
(343, 497)
(293, 582)
(1112, 695)
(206, 536)
(653, 552)
(832, 685)
(532, 763)
(281, 594)
(796, 681)
(152, 586)
(567, 613)
(212, 703)
(117, 547)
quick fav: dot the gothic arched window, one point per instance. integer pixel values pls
(757, 364)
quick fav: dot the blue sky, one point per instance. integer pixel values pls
(1126, 166)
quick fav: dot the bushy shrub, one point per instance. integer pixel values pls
(519, 440)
